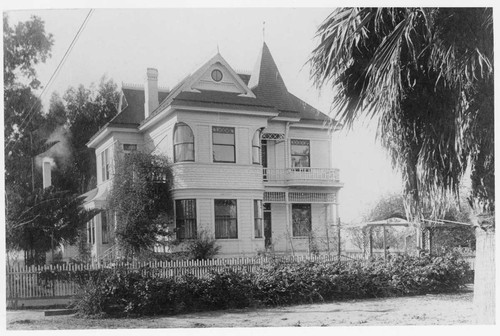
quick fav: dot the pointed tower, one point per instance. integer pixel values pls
(266, 82)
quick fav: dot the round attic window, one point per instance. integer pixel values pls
(217, 75)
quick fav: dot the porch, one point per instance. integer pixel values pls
(302, 176)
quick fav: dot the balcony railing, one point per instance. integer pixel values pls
(302, 176)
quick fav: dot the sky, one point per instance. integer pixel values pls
(122, 43)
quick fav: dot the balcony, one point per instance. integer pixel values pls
(328, 177)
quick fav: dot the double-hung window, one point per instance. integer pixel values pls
(183, 143)
(185, 218)
(301, 220)
(105, 164)
(256, 150)
(223, 144)
(91, 231)
(105, 231)
(300, 152)
(226, 219)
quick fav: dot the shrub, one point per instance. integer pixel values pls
(203, 247)
(228, 289)
(92, 299)
(143, 292)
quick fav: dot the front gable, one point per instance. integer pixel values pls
(217, 75)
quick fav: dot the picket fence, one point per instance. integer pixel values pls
(26, 282)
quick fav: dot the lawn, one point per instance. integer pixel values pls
(438, 309)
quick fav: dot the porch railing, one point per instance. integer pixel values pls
(297, 175)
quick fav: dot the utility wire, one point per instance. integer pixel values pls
(30, 114)
(444, 221)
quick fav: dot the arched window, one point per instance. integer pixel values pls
(256, 154)
(183, 143)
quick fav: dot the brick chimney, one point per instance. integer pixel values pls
(150, 92)
(47, 172)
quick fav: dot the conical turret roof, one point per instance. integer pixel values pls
(266, 82)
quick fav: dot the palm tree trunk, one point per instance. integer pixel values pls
(484, 277)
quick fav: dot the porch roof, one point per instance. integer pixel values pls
(95, 198)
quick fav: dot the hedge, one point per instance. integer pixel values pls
(136, 293)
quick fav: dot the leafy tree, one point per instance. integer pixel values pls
(426, 75)
(388, 206)
(37, 219)
(141, 199)
(87, 110)
(40, 221)
(24, 46)
(57, 115)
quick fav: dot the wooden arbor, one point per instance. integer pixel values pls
(393, 221)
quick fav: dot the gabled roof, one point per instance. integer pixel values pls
(132, 105)
(263, 90)
(184, 92)
(245, 78)
(133, 110)
(265, 82)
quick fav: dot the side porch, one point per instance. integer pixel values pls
(301, 222)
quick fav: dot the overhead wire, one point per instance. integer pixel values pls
(444, 221)
(30, 113)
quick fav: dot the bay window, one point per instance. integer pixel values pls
(185, 218)
(226, 219)
(223, 144)
(105, 165)
(256, 150)
(183, 143)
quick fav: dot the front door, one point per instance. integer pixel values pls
(268, 231)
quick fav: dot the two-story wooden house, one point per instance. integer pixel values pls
(252, 163)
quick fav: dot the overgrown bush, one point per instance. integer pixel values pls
(277, 283)
(94, 298)
(227, 289)
(203, 247)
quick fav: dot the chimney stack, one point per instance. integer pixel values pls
(47, 172)
(150, 92)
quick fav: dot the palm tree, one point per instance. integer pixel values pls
(425, 75)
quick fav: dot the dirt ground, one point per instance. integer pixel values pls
(441, 309)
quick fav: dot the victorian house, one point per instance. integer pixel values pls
(252, 163)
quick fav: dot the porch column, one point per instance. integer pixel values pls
(430, 232)
(337, 219)
(289, 228)
(327, 225)
(419, 238)
(287, 147)
(364, 231)
(370, 241)
(385, 243)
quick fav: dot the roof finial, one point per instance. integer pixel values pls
(218, 52)
(264, 31)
